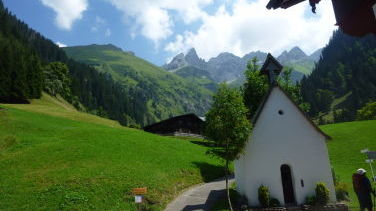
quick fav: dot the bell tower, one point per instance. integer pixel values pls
(272, 68)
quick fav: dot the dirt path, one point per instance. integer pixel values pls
(200, 197)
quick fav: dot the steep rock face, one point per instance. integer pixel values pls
(177, 62)
(226, 67)
(192, 59)
(299, 61)
(294, 54)
(261, 56)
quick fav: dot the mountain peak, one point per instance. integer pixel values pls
(261, 56)
(192, 52)
(226, 55)
(192, 59)
(297, 51)
(177, 62)
(192, 56)
(293, 55)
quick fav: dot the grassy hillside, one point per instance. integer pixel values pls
(55, 158)
(60, 108)
(165, 94)
(305, 67)
(344, 150)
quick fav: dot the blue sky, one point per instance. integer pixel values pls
(156, 30)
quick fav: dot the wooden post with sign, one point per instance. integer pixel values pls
(139, 195)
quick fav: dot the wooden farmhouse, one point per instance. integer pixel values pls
(286, 152)
(354, 17)
(184, 125)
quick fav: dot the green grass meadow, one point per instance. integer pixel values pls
(53, 157)
(55, 163)
(344, 150)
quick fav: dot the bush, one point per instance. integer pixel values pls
(135, 126)
(322, 194)
(342, 193)
(310, 200)
(274, 202)
(368, 112)
(264, 196)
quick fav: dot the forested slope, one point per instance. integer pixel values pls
(344, 78)
(20, 68)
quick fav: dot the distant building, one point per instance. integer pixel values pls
(184, 125)
(286, 152)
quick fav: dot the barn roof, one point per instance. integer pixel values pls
(261, 107)
(173, 118)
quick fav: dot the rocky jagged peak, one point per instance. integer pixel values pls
(192, 52)
(191, 56)
(297, 52)
(261, 56)
(177, 62)
(293, 55)
(225, 56)
(180, 56)
(192, 59)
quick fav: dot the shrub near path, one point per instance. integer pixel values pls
(55, 163)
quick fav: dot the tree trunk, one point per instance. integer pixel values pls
(227, 188)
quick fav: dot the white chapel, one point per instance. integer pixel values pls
(286, 152)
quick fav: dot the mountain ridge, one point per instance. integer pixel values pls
(301, 63)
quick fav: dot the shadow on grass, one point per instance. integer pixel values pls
(203, 143)
(210, 172)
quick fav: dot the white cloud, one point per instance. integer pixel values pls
(61, 45)
(108, 32)
(67, 11)
(178, 45)
(153, 19)
(249, 26)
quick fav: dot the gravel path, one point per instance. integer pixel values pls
(200, 197)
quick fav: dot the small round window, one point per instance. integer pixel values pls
(280, 112)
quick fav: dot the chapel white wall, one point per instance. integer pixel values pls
(283, 139)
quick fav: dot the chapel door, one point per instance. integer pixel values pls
(287, 184)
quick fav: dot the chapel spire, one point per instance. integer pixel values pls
(272, 68)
